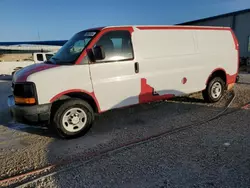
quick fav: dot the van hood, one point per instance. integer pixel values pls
(23, 74)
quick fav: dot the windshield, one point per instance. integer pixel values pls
(72, 49)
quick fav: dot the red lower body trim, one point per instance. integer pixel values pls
(147, 93)
(92, 94)
(231, 78)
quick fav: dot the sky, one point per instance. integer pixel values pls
(29, 20)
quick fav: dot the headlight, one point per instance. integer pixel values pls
(25, 93)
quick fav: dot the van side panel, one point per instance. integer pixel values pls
(168, 58)
(217, 50)
(165, 43)
(51, 83)
(180, 61)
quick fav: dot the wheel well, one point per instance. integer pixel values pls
(82, 96)
(218, 73)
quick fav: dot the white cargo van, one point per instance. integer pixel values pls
(105, 68)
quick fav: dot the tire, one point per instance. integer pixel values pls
(215, 90)
(72, 118)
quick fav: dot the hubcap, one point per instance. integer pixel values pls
(216, 90)
(74, 119)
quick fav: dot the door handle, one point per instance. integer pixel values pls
(136, 67)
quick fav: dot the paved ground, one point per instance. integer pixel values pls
(214, 154)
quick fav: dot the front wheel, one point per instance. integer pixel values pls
(215, 90)
(72, 118)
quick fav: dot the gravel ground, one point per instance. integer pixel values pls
(216, 154)
(190, 158)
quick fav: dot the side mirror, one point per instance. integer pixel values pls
(98, 53)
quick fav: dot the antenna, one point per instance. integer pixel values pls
(39, 39)
(38, 35)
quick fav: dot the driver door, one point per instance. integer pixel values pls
(115, 81)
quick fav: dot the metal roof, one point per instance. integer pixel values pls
(215, 17)
(53, 43)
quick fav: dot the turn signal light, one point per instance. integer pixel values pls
(20, 100)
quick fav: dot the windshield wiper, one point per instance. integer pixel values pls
(64, 63)
(55, 58)
(59, 62)
(48, 62)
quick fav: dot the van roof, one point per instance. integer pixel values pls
(159, 27)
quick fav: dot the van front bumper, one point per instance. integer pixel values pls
(30, 115)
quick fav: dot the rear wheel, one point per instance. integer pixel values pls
(215, 90)
(72, 118)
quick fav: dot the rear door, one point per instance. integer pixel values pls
(115, 79)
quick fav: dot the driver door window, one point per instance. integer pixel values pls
(117, 46)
